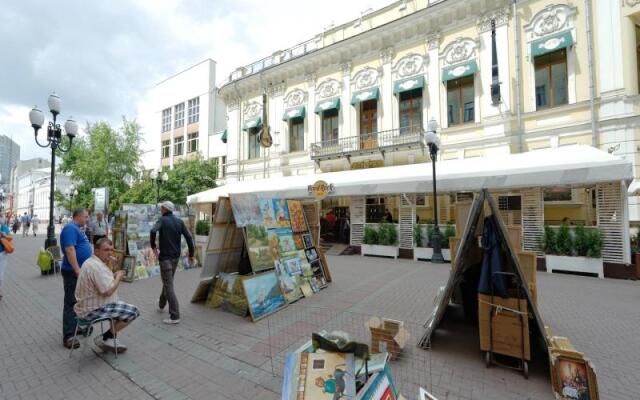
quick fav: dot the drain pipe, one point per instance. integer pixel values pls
(518, 78)
(592, 85)
(239, 125)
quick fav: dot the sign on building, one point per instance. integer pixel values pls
(101, 199)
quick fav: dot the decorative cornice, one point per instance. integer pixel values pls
(276, 90)
(346, 68)
(500, 16)
(630, 3)
(295, 98)
(311, 79)
(328, 88)
(410, 65)
(433, 41)
(461, 49)
(252, 110)
(551, 19)
(365, 78)
(387, 55)
(232, 104)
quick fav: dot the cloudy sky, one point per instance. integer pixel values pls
(102, 56)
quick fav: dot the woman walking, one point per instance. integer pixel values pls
(4, 231)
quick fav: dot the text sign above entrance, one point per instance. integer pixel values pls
(321, 189)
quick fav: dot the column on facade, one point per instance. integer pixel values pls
(346, 126)
(432, 77)
(310, 114)
(501, 18)
(628, 53)
(234, 139)
(275, 104)
(386, 89)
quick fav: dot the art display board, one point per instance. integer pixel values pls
(131, 236)
(254, 239)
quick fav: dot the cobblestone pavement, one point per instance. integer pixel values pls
(217, 355)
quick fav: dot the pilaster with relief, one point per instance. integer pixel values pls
(386, 90)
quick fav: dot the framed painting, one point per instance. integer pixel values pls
(226, 293)
(260, 258)
(307, 240)
(296, 215)
(257, 236)
(574, 378)
(117, 260)
(263, 294)
(118, 240)
(129, 265)
(281, 211)
(297, 239)
(268, 213)
(312, 254)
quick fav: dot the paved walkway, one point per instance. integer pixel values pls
(216, 355)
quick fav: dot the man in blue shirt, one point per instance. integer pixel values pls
(77, 249)
(26, 223)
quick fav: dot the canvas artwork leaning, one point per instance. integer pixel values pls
(268, 213)
(297, 239)
(226, 293)
(307, 240)
(129, 265)
(263, 294)
(296, 215)
(281, 211)
(311, 254)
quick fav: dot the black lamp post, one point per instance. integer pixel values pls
(433, 141)
(54, 140)
(159, 179)
(72, 191)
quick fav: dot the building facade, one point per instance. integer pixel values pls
(34, 186)
(9, 156)
(188, 117)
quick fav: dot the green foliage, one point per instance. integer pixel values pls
(580, 241)
(549, 241)
(594, 243)
(202, 228)
(417, 236)
(387, 234)
(370, 235)
(104, 157)
(564, 241)
(635, 243)
(449, 232)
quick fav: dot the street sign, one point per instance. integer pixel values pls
(101, 199)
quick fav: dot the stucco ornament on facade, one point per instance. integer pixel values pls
(366, 78)
(253, 110)
(433, 41)
(630, 3)
(409, 65)
(461, 49)
(328, 88)
(386, 55)
(500, 16)
(553, 18)
(295, 98)
(232, 104)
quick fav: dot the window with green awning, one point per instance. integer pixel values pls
(297, 112)
(364, 95)
(329, 104)
(224, 137)
(252, 123)
(551, 43)
(459, 70)
(416, 82)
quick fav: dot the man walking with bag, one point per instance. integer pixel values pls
(170, 229)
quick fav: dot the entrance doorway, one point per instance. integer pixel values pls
(369, 124)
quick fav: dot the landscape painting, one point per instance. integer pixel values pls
(257, 236)
(263, 294)
(296, 215)
(267, 212)
(281, 211)
(260, 258)
(226, 293)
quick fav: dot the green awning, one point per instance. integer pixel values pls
(329, 104)
(459, 70)
(417, 82)
(551, 43)
(297, 112)
(252, 123)
(224, 137)
(364, 95)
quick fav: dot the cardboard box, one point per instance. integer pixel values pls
(508, 329)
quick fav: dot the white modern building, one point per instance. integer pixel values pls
(184, 117)
(33, 193)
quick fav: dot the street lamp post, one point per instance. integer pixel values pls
(54, 141)
(159, 178)
(433, 141)
(72, 191)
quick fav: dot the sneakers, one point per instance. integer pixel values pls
(71, 342)
(171, 321)
(109, 344)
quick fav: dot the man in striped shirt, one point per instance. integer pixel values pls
(96, 295)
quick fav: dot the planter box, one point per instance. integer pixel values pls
(446, 254)
(202, 239)
(379, 250)
(422, 253)
(574, 264)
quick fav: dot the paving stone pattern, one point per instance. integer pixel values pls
(217, 355)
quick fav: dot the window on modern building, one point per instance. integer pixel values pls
(330, 125)
(178, 146)
(460, 101)
(411, 111)
(192, 142)
(166, 119)
(193, 110)
(254, 144)
(551, 79)
(179, 113)
(296, 134)
(166, 145)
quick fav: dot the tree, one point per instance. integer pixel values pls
(103, 158)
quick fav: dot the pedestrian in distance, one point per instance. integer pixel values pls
(16, 225)
(25, 221)
(77, 250)
(35, 221)
(170, 229)
(99, 228)
(97, 296)
(4, 232)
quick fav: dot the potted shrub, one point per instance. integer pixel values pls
(422, 249)
(447, 233)
(574, 250)
(382, 241)
(202, 231)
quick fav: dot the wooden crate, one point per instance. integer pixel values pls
(508, 330)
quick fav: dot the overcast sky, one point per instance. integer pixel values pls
(101, 57)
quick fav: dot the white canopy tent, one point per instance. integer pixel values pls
(564, 166)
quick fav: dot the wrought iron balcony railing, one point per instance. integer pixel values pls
(369, 143)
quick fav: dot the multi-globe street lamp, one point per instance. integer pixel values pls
(71, 192)
(159, 178)
(433, 141)
(55, 142)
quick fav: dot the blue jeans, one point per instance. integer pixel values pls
(69, 280)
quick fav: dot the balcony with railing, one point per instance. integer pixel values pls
(369, 143)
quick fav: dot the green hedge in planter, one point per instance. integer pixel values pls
(449, 232)
(370, 235)
(202, 228)
(577, 241)
(387, 234)
(417, 236)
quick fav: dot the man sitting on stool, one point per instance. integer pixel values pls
(97, 298)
